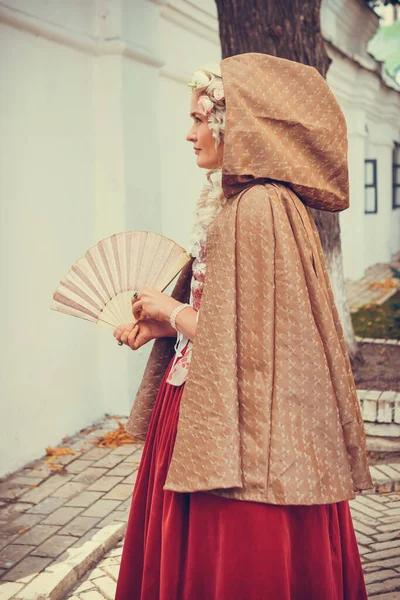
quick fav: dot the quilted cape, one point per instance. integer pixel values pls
(269, 412)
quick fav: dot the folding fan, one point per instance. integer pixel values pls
(99, 286)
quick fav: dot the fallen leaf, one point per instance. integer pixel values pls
(33, 486)
(114, 438)
(21, 531)
(59, 451)
(58, 468)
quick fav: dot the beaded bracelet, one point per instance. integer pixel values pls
(176, 310)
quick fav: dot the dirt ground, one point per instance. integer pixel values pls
(377, 367)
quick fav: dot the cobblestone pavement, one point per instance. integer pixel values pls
(376, 522)
(47, 516)
(376, 519)
(360, 292)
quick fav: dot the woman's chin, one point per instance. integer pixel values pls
(204, 163)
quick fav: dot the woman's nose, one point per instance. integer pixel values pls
(191, 136)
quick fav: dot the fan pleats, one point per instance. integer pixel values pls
(99, 286)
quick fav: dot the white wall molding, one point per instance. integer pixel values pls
(206, 29)
(88, 45)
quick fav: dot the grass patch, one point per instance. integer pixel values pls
(374, 321)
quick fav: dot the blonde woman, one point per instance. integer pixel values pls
(254, 440)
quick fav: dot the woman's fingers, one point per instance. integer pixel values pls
(132, 337)
(125, 334)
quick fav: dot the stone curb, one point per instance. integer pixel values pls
(59, 578)
(389, 342)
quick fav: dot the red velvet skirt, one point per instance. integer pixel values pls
(197, 546)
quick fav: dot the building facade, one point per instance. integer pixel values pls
(94, 114)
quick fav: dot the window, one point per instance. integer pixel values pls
(396, 176)
(371, 187)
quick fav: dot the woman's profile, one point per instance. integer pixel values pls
(254, 438)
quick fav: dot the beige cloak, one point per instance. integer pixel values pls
(269, 412)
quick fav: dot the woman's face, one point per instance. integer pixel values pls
(208, 157)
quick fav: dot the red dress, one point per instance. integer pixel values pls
(197, 546)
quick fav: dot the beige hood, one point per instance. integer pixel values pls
(283, 123)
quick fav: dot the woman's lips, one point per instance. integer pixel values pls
(197, 150)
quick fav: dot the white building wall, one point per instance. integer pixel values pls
(93, 117)
(85, 117)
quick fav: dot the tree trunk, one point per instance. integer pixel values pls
(290, 29)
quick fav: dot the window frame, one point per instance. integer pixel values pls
(374, 185)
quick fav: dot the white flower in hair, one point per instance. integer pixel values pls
(205, 104)
(199, 78)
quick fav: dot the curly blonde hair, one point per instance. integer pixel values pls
(216, 118)
(212, 197)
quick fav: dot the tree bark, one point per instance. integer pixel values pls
(290, 29)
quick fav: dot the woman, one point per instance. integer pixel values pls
(254, 440)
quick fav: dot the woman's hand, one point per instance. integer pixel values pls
(134, 335)
(154, 304)
(137, 334)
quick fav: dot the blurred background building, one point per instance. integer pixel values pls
(94, 113)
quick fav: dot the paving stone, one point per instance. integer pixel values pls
(377, 475)
(365, 510)
(120, 471)
(105, 483)
(119, 492)
(27, 569)
(36, 535)
(70, 489)
(89, 475)
(380, 575)
(389, 527)
(384, 537)
(11, 554)
(389, 563)
(364, 518)
(109, 461)
(126, 449)
(371, 503)
(12, 510)
(388, 470)
(107, 585)
(96, 573)
(389, 596)
(8, 590)
(15, 525)
(92, 595)
(383, 586)
(85, 499)
(46, 506)
(97, 453)
(101, 508)
(366, 529)
(131, 479)
(79, 526)
(112, 570)
(377, 555)
(363, 539)
(384, 545)
(47, 488)
(62, 515)
(78, 466)
(84, 587)
(54, 546)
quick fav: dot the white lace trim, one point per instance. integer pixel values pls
(208, 206)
